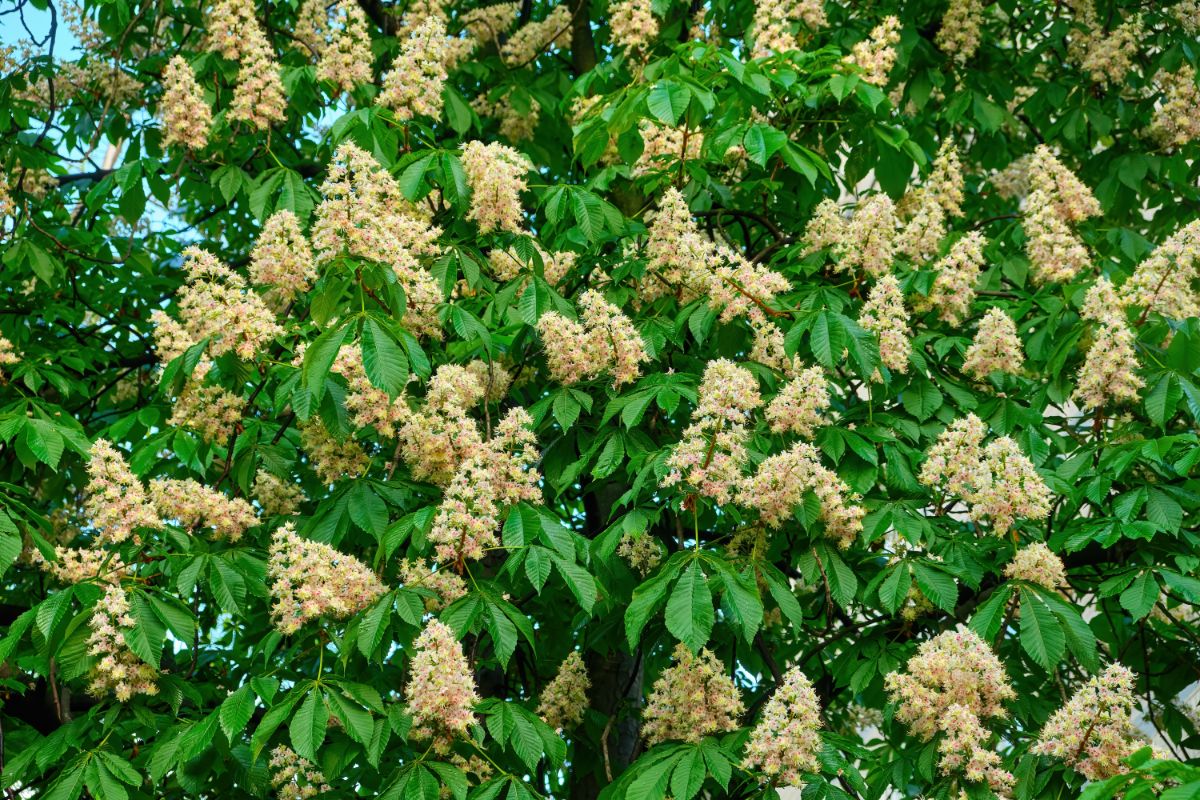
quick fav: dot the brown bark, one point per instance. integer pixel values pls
(380, 15)
(617, 683)
(583, 48)
(616, 692)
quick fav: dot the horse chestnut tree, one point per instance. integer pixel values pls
(602, 399)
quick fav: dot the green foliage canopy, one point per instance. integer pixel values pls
(615, 107)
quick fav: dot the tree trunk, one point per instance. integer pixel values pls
(583, 49)
(616, 691)
(616, 676)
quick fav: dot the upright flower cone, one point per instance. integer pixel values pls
(440, 693)
(565, 698)
(310, 579)
(186, 117)
(785, 743)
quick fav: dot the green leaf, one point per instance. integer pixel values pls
(1164, 511)
(264, 195)
(552, 531)
(1162, 400)
(989, 115)
(355, 721)
(537, 566)
(163, 753)
(651, 783)
(782, 594)
(383, 360)
(842, 85)
(1141, 595)
(16, 631)
(646, 600)
(688, 775)
(147, 635)
(635, 408)
(52, 611)
(827, 339)
(229, 179)
(566, 409)
(294, 195)
(668, 100)
(270, 722)
(921, 398)
(68, 785)
(367, 509)
(611, 456)
(374, 626)
(939, 587)
(581, 584)
(842, 582)
(417, 359)
(743, 602)
(307, 730)
(763, 141)
(228, 586)
(894, 589)
(536, 300)
(470, 327)
(988, 618)
(717, 762)
(1080, 639)
(1041, 634)
(175, 616)
(102, 783)
(690, 609)
(198, 738)
(44, 441)
(235, 713)
(797, 159)
(413, 176)
(458, 113)
(524, 740)
(1188, 587)
(590, 213)
(513, 534)
(452, 778)
(503, 633)
(454, 180)
(318, 358)
(120, 768)
(10, 549)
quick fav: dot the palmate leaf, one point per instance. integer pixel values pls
(647, 598)
(681, 178)
(526, 734)
(10, 546)
(740, 599)
(937, 585)
(69, 784)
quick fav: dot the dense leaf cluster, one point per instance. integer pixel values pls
(92, 250)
